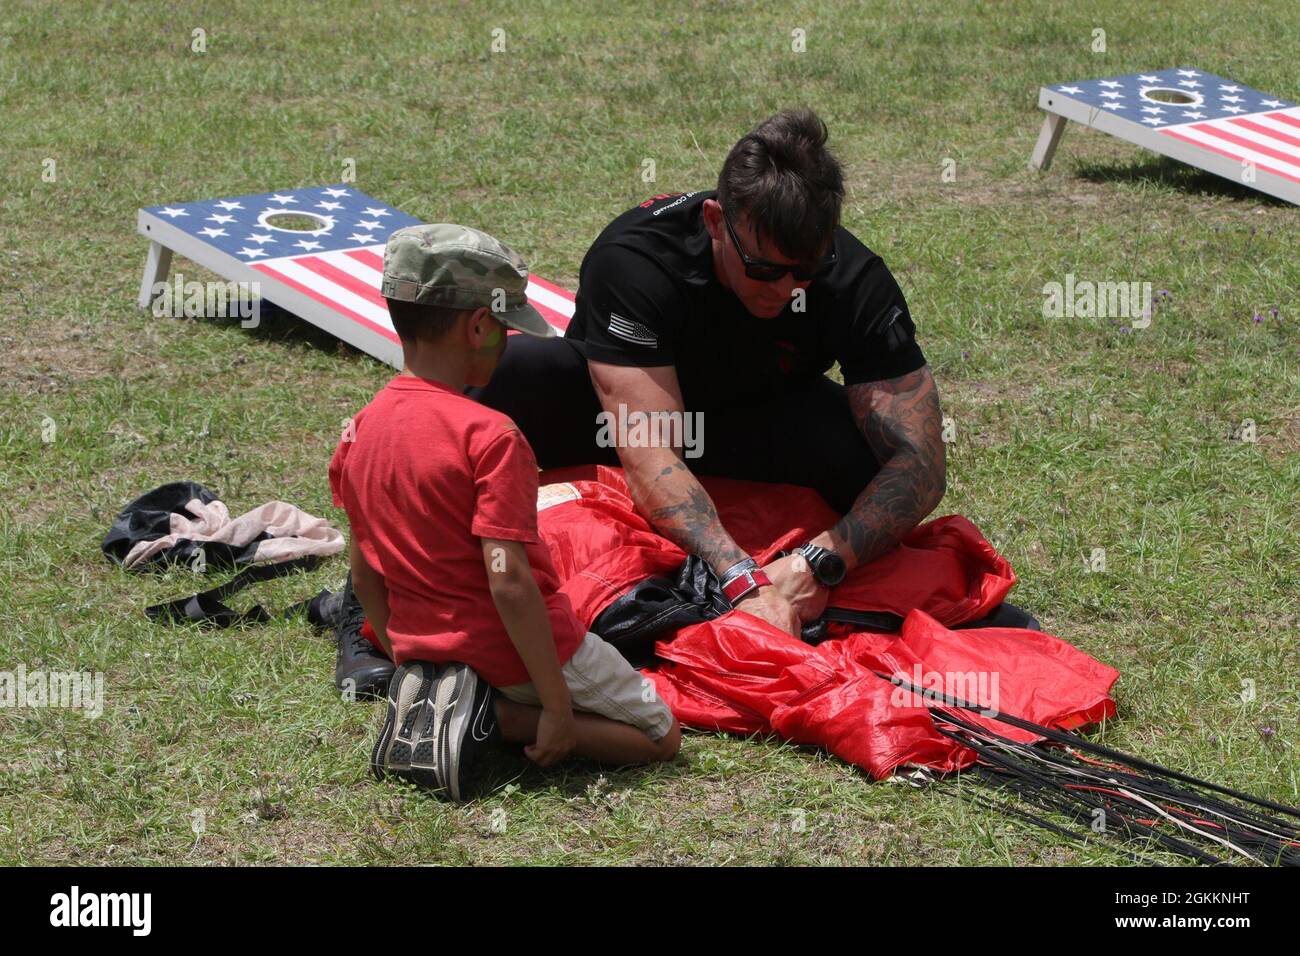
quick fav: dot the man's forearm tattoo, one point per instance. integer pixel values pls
(901, 422)
(689, 519)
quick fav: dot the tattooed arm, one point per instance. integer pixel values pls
(900, 420)
(670, 497)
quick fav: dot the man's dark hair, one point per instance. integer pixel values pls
(784, 180)
(420, 321)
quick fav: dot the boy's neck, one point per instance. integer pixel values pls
(444, 369)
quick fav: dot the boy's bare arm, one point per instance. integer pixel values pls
(523, 612)
(372, 592)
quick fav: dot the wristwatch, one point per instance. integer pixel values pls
(827, 566)
(741, 578)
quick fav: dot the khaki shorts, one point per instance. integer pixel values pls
(601, 681)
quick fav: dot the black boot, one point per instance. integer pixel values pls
(322, 611)
(362, 670)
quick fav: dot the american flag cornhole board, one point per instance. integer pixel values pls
(329, 275)
(1192, 116)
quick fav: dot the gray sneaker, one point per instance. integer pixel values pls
(467, 725)
(440, 720)
(407, 744)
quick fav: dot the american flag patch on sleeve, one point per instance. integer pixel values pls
(630, 331)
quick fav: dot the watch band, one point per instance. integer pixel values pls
(743, 583)
(827, 566)
(736, 570)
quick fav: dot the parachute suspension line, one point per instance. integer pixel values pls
(1134, 799)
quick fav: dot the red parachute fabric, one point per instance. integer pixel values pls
(601, 546)
(741, 675)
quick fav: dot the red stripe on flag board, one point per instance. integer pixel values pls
(346, 280)
(1242, 141)
(1231, 155)
(368, 257)
(1266, 131)
(551, 287)
(328, 303)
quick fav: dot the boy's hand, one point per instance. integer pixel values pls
(557, 735)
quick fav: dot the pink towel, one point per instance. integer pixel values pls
(294, 533)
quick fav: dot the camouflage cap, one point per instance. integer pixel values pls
(458, 267)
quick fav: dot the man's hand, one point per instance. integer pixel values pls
(793, 577)
(768, 604)
(557, 735)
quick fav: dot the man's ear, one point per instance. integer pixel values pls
(713, 218)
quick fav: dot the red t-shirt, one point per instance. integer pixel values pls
(426, 474)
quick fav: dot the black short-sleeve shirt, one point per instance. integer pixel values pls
(648, 296)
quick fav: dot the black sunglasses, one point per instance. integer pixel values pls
(761, 270)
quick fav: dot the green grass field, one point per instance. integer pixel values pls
(1071, 434)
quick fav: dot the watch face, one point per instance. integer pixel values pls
(831, 569)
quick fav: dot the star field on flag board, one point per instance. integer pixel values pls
(1194, 116)
(328, 273)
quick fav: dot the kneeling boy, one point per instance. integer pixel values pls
(441, 493)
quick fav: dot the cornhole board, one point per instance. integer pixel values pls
(1189, 115)
(329, 276)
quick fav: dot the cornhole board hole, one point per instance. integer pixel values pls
(1192, 116)
(317, 252)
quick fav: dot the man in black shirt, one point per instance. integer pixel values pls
(730, 305)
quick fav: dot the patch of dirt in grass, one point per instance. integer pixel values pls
(1283, 440)
(49, 361)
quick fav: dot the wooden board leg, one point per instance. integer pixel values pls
(156, 266)
(1048, 138)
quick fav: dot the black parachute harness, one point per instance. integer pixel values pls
(149, 517)
(207, 607)
(1102, 791)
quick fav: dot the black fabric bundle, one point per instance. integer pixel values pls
(149, 517)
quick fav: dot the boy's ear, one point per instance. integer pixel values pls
(478, 320)
(481, 329)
